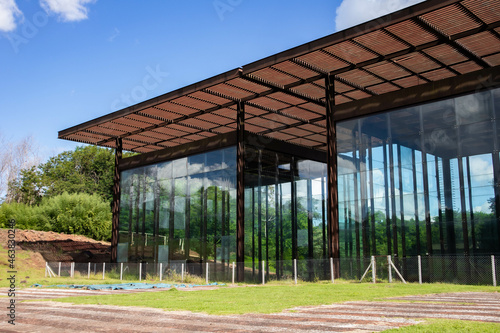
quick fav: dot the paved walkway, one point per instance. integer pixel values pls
(44, 316)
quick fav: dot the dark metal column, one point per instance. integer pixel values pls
(496, 180)
(310, 231)
(372, 199)
(356, 206)
(293, 168)
(472, 221)
(266, 230)
(365, 227)
(387, 199)
(394, 225)
(465, 232)
(323, 218)
(415, 200)
(496, 175)
(240, 191)
(331, 140)
(187, 234)
(144, 235)
(259, 212)
(223, 232)
(401, 203)
(426, 187)
(449, 214)
(116, 201)
(277, 214)
(253, 232)
(440, 208)
(171, 220)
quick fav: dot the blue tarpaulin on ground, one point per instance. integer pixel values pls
(127, 286)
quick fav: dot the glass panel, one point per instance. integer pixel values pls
(168, 216)
(430, 171)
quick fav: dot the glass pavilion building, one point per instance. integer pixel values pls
(382, 139)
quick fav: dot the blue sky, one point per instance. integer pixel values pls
(63, 62)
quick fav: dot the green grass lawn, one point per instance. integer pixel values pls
(269, 298)
(448, 326)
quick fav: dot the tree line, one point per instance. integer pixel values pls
(70, 192)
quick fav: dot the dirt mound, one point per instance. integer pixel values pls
(54, 246)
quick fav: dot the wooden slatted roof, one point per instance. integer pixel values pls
(284, 94)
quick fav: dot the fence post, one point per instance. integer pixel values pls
(206, 274)
(374, 270)
(233, 273)
(182, 273)
(72, 269)
(103, 269)
(161, 271)
(494, 270)
(263, 272)
(419, 269)
(332, 272)
(88, 272)
(46, 269)
(121, 271)
(390, 268)
(59, 270)
(140, 271)
(295, 270)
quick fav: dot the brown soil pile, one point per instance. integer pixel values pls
(60, 247)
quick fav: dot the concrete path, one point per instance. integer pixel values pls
(45, 316)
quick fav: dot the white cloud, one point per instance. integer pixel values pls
(9, 13)
(68, 10)
(353, 12)
(484, 208)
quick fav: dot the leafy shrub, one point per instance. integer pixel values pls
(81, 214)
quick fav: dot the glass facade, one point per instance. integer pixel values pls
(421, 180)
(184, 210)
(285, 212)
(180, 210)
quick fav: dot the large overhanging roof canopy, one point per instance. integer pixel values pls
(284, 94)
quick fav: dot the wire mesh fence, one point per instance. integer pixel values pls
(470, 270)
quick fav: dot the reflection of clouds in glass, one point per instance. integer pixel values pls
(481, 169)
(484, 208)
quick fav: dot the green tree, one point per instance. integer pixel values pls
(27, 188)
(87, 169)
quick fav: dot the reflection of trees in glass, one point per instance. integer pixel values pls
(484, 232)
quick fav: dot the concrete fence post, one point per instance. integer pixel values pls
(494, 270)
(419, 269)
(232, 279)
(182, 273)
(59, 270)
(389, 262)
(88, 271)
(103, 269)
(263, 272)
(140, 271)
(374, 270)
(206, 274)
(295, 270)
(161, 271)
(332, 272)
(121, 271)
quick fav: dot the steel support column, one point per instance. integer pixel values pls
(240, 191)
(116, 201)
(331, 139)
